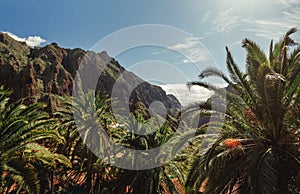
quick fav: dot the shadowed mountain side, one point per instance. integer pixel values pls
(35, 73)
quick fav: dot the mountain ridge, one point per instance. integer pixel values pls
(37, 73)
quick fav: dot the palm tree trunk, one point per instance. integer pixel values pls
(52, 181)
(156, 180)
(97, 183)
(89, 184)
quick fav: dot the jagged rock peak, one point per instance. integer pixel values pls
(37, 73)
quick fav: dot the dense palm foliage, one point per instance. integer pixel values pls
(20, 156)
(256, 151)
(258, 147)
(93, 174)
(89, 173)
(154, 180)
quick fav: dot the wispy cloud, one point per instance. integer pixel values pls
(193, 51)
(287, 16)
(205, 17)
(156, 53)
(273, 28)
(30, 40)
(226, 21)
(287, 3)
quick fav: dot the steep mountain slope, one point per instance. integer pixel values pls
(36, 73)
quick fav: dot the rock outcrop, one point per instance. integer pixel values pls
(36, 73)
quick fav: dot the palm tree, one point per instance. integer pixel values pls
(258, 147)
(80, 119)
(155, 180)
(20, 127)
(100, 176)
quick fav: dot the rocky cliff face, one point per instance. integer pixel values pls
(36, 73)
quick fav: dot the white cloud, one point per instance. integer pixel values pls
(284, 14)
(187, 44)
(160, 52)
(226, 21)
(186, 61)
(30, 40)
(34, 41)
(192, 50)
(205, 17)
(155, 53)
(287, 3)
(276, 27)
(185, 95)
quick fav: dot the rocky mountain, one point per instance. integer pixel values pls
(36, 73)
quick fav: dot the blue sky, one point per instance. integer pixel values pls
(214, 23)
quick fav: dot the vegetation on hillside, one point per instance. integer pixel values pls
(257, 150)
